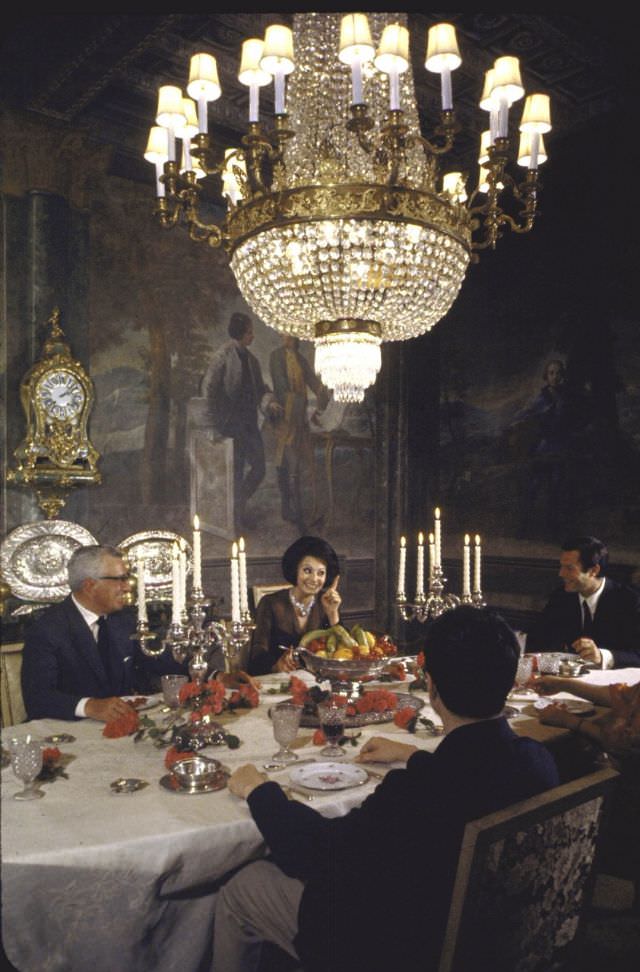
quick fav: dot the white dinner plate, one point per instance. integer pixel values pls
(328, 776)
(575, 706)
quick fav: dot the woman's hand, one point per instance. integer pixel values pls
(378, 749)
(331, 602)
(547, 684)
(236, 679)
(286, 662)
(557, 714)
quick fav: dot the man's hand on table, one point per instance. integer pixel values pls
(106, 710)
(549, 684)
(588, 650)
(245, 779)
(381, 750)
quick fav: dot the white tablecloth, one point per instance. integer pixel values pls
(93, 880)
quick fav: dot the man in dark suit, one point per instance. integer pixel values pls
(591, 614)
(78, 656)
(371, 890)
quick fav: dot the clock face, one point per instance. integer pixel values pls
(61, 394)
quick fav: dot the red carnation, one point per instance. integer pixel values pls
(405, 719)
(124, 725)
(319, 738)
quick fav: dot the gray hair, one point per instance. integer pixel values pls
(86, 562)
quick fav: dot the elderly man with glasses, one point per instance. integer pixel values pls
(79, 658)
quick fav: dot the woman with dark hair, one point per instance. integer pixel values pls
(311, 566)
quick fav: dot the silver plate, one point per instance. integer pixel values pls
(310, 720)
(156, 549)
(34, 558)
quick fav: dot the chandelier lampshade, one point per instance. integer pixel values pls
(340, 228)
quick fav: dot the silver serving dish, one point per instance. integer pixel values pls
(34, 558)
(196, 771)
(156, 549)
(355, 670)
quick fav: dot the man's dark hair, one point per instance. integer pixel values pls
(591, 552)
(309, 547)
(472, 656)
(239, 324)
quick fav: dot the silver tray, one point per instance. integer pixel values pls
(34, 558)
(310, 720)
(156, 548)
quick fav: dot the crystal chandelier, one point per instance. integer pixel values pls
(340, 227)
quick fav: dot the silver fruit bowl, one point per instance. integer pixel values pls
(347, 670)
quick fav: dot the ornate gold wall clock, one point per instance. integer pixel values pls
(57, 396)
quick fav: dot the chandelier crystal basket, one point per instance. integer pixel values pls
(340, 227)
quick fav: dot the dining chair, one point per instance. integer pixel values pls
(13, 710)
(524, 880)
(258, 591)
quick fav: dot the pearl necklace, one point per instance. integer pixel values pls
(302, 610)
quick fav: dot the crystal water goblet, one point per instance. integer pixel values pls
(171, 685)
(524, 672)
(333, 718)
(26, 762)
(285, 719)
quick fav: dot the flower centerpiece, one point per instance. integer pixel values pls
(192, 725)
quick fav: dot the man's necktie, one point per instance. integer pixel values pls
(587, 621)
(103, 647)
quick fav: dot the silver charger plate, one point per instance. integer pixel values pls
(156, 549)
(170, 783)
(34, 558)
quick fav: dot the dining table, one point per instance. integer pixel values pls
(107, 881)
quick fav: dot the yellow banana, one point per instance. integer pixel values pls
(311, 635)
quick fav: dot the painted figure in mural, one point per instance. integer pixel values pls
(546, 423)
(590, 614)
(291, 375)
(236, 392)
(312, 568)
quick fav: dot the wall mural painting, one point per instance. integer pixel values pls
(252, 442)
(542, 442)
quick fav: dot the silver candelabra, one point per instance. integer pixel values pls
(189, 637)
(426, 607)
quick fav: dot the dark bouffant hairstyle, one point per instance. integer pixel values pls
(309, 547)
(591, 552)
(472, 656)
(239, 324)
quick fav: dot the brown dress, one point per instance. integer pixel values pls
(275, 627)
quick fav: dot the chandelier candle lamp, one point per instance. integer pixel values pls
(340, 226)
(436, 601)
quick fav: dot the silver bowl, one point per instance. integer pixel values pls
(354, 670)
(196, 771)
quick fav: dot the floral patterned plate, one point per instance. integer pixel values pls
(328, 776)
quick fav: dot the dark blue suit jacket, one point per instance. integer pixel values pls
(616, 624)
(378, 881)
(61, 663)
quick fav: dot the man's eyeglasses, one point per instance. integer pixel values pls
(114, 577)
